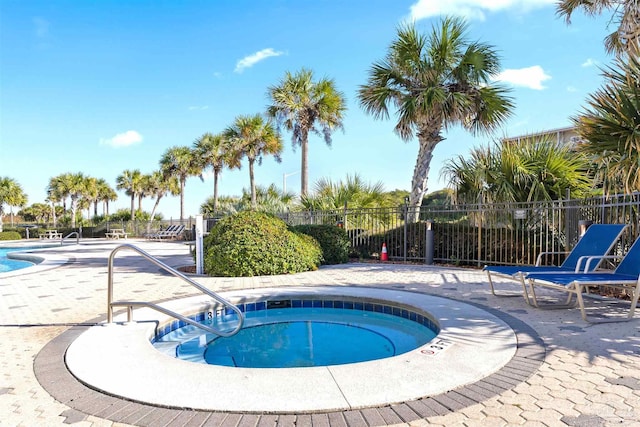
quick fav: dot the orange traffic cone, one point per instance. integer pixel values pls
(383, 254)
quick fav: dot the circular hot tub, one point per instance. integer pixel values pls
(119, 358)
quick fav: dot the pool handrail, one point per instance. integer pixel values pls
(131, 304)
(69, 235)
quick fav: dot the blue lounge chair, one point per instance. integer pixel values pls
(625, 276)
(598, 240)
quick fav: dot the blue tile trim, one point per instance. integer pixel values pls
(305, 303)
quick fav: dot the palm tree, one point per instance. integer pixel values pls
(254, 138)
(72, 185)
(435, 82)
(180, 162)
(130, 181)
(302, 106)
(531, 169)
(11, 194)
(626, 37)
(609, 126)
(215, 151)
(76, 190)
(159, 186)
(91, 194)
(354, 192)
(227, 205)
(268, 199)
(106, 194)
(58, 188)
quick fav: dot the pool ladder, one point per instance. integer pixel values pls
(130, 304)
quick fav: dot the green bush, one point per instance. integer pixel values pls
(10, 235)
(334, 241)
(254, 243)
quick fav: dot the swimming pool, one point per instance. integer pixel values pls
(8, 264)
(289, 333)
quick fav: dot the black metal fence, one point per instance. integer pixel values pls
(477, 234)
(473, 234)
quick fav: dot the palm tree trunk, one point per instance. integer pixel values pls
(215, 189)
(133, 201)
(153, 212)
(428, 141)
(74, 209)
(182, 180)
(304, 169)
(253, 185)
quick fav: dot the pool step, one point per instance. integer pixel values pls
(167, 347)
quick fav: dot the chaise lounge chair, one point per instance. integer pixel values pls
(597, 241)
(172, 232)
(163, 233)
(626, 276)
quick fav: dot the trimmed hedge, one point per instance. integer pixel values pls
(10, 235)
(334, 241)
(254, 243)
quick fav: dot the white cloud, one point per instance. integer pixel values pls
(590, 63)
(571, 89)
(251, 60)
(530, 77)
(471, 9)
(125, 139)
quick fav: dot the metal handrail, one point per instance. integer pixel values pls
(131, 304)
(69, 235)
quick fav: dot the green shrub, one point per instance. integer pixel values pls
(334, 241)
(10, 235)
(254, 243)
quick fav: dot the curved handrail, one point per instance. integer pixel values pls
(130, 304)
(69, 235)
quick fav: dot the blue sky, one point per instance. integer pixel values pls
(103, 86)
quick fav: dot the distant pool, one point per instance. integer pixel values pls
(7, 264)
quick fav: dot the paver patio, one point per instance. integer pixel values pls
(589, 375)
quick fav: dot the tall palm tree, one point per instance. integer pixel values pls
(106, 194)
(626, 14)
(180, 162)
(53, 197)
(130, 181)
(215, 151)
(76, 190)
(254, 138)
(58, 188)
(159, 186)
(609, 125)
(11, 194)
(303, 105)
(435, 82)
(91, 194)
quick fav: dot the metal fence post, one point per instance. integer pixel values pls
(406, 219)
(198, 237)
(428, 243)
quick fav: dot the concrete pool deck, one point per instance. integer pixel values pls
(564, 372)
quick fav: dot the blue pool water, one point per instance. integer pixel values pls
(301, 337)
(7, 264)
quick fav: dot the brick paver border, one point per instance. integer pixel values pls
(51, 371)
